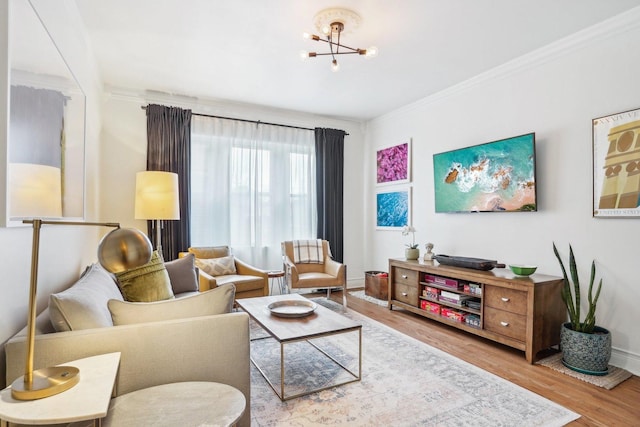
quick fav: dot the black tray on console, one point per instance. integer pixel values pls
(466, 262)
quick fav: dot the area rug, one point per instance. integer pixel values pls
(404, 383)
(613, 378)
(362, 295)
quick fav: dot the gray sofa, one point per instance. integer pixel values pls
(201, 348)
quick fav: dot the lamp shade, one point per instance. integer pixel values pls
(157, 195)
(34, 191)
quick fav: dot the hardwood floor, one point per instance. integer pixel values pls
(597, 406)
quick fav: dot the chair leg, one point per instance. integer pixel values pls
(328, 293)
(344, 288)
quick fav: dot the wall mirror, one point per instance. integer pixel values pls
(46, 132)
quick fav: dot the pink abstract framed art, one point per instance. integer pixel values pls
(393, 164)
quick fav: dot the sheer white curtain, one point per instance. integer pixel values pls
(252, 186)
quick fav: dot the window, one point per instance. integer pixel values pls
(252, 186)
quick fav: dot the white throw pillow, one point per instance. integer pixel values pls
(217, 266)
(84, 304)
(215, 301)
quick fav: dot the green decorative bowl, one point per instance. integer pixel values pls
(523, 270)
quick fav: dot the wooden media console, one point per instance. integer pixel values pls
(522, 312)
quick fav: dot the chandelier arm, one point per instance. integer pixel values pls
(341, 45)
(335, 53)
(331, 43)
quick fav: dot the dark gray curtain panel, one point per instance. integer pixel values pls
(168, 149)
(329, 185)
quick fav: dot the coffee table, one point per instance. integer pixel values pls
(286, 331)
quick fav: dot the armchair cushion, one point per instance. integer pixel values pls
(216, 301)
(217, 266)
(182, 274)
(84, 304)
(146, 283)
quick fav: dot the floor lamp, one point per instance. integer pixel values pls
(157, 198)
(121, 249)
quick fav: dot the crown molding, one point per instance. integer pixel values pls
(619, 24)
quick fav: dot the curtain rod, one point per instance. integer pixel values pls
(144, 107)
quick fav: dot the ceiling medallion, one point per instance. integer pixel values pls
(348, 18)
(333, 23)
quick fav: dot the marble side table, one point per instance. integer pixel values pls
(191, 403)
(87, 400)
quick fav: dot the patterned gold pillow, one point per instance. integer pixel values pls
(217, 266)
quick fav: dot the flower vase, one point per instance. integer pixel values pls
(412, 253)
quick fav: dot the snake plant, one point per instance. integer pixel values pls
(572, 298)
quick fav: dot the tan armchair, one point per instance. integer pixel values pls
(249, 281)
(328, 274)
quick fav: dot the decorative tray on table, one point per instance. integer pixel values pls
(292, 308)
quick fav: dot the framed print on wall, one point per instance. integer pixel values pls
(393, 209)
(616, 165)
(497, 176)
(393, 164)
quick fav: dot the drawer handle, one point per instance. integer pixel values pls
(404, 294)
(504, 323)
(404, 276)
(505, 299)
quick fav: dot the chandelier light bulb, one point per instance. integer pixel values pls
(335, 67)
(304, 54)
(326, 29)
(372, 52)
(310, 36)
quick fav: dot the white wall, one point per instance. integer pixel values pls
(125, 145)
(554, 92)
(64, 251)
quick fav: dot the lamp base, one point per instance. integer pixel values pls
(46, 382)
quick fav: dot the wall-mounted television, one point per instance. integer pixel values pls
(497, 176)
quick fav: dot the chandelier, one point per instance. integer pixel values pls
(333, 23)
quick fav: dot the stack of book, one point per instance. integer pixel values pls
(453, 298)
(443, 281)
(474, 303)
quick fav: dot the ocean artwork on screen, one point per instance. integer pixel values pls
(498, 176)
(393, 209)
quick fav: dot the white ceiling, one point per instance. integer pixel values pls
(248, 50)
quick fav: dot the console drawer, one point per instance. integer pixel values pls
(505, 323)
(406, 276)
(511, 300)
(407, 294)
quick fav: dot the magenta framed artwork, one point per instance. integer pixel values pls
(393, 164)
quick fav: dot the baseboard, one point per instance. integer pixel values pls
(355, 283)
(625, 360)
